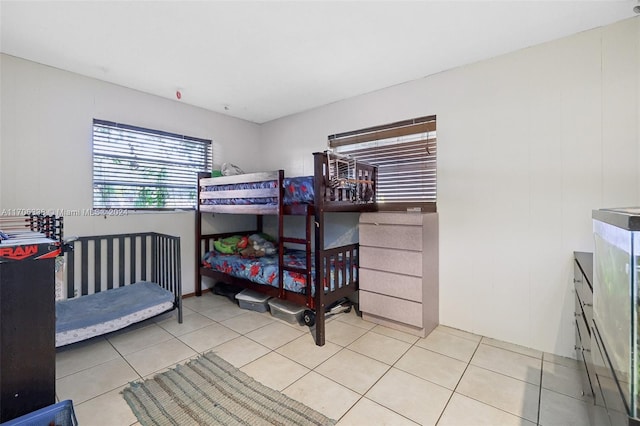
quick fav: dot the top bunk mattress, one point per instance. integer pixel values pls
(297, 190)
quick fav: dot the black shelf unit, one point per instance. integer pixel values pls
(27, 313)
(27, 337)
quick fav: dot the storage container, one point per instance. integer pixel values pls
(228, 290)
(252, 300)
(285, 310)
(60, 414)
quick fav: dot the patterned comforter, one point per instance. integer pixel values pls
(264, 270)
(297, 190)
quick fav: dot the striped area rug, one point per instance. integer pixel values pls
(210, 391)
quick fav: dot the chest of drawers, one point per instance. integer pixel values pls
(399, 270)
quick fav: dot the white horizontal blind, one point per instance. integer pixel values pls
(137, 168)
(405, 153)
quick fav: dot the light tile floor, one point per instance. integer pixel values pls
(365, 374)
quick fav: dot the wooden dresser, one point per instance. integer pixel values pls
(399, 270)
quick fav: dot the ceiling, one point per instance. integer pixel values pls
(263, 60)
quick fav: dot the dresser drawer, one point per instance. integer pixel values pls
(582, 286)
(402, 286)
(391, 260)
(588, 314)
(585, 307)
(388, 307)
(585, 331)
(583, 355)
(585, 380)
(399, 218)
(404, 237)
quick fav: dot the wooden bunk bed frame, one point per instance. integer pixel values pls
(356, 193)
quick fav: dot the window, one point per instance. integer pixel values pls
(405, 153)
(136, 168)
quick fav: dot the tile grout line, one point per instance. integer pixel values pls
(540, 390)
(342, 348)
(411, 345)
(458, 383)
(111, 390)
(495, 372)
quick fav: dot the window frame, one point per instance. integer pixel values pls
(426, 124)
(138, 135)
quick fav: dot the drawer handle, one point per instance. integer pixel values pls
(586, 350)
(587, 304)
(575, 281)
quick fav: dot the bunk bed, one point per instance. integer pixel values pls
(339, 184)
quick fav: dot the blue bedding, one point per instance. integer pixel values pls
(297, 190)
(109, 305)
(264, 270)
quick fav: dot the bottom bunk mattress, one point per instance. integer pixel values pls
(100, 313)
(264, 269)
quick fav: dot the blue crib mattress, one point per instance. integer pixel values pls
(91, 315)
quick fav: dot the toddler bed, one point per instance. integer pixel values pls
(113, 281)
(338, 185)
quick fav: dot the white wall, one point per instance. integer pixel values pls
(45, 145)
(528, 144)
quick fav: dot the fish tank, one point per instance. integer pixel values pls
(615, 296)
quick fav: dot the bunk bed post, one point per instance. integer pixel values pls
(281, 293)
(319, 183)
(198, 282)
(308, 259)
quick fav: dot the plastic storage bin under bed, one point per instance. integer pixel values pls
(252, 300)
(60, 414)
(287, 311)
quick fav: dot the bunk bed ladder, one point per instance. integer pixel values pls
(306, 271)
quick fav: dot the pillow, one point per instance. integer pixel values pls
(229, 169)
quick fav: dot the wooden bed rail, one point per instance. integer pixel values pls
(339, 190)
(344, 262)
